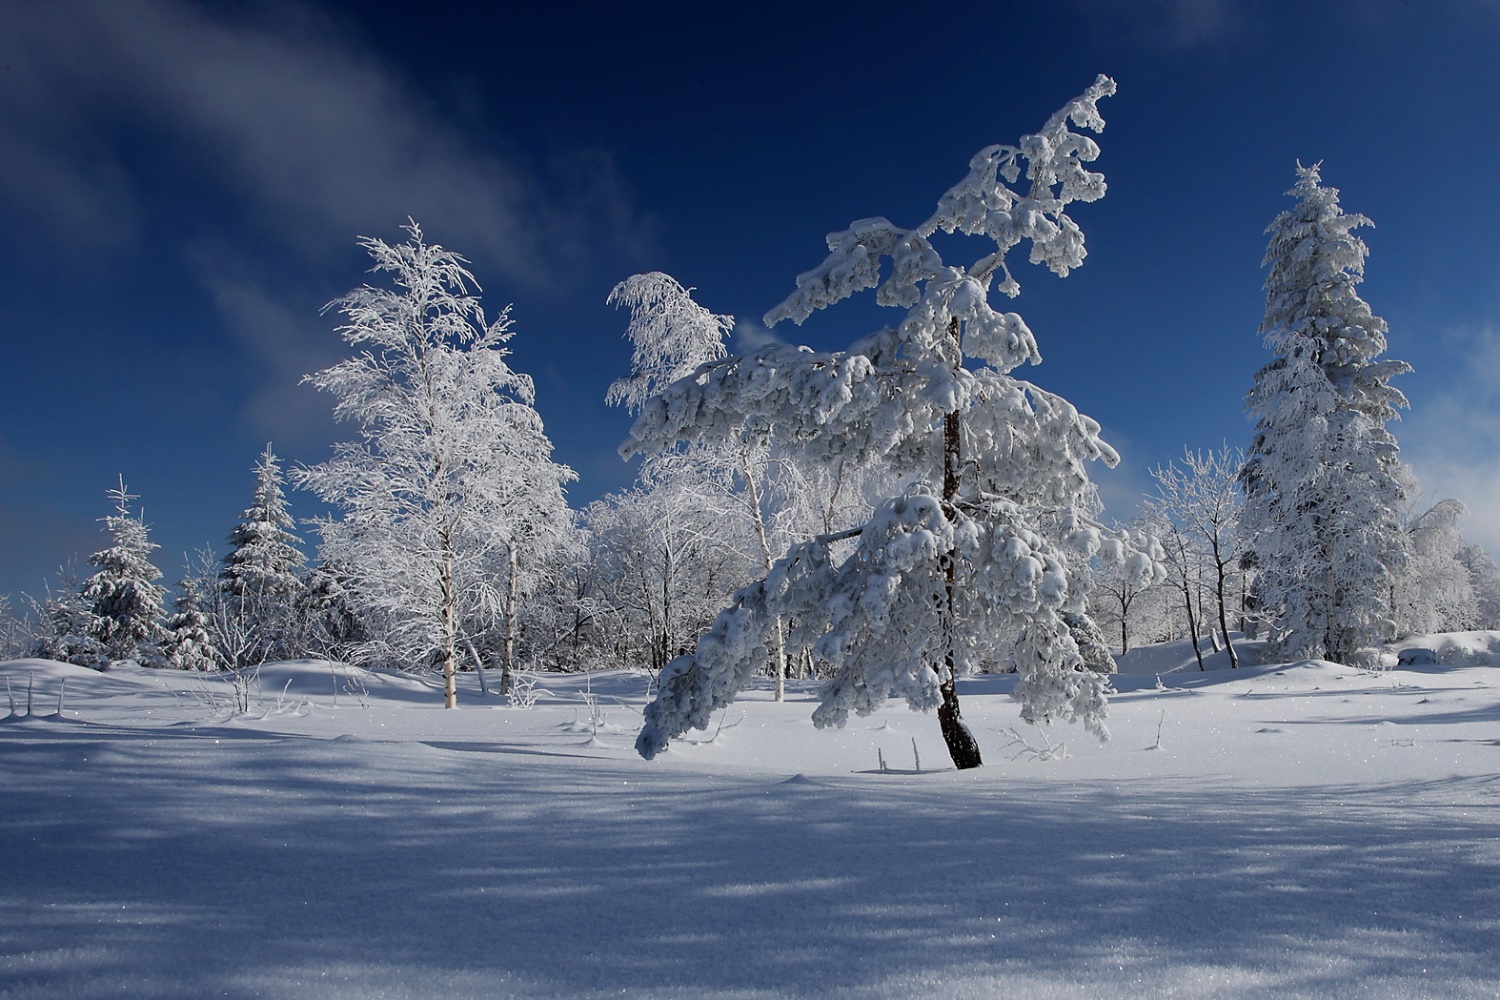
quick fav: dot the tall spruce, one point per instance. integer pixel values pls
(1323, 483)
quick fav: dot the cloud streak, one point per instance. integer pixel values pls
(317, 136)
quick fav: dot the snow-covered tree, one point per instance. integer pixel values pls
(62, 624)
(1484, 578)
(327, 620)
(668, 552)
(1127, 608)
(262, 571)
(189, 641)
(1434, 591)
(943, 575)
(451, 494)
(1323, 482)
(1200, 502)
(670, 336)
(123, 599)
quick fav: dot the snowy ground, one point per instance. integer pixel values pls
(1301, 831)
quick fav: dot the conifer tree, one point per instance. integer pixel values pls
(1323, 482)
(188, 644)
(264, 558)
(260, 579)
(123, 599)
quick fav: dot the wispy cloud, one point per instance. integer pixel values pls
(280, 343)
(749, 335)
(276, 108)
(1163, 24)
(1452, 438)
(273, 135)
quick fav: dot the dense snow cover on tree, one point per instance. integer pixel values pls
(670, 336)
(450, 497)
(190, 643)
(264, 558)
(945, 574)
(1323, 481)
(1435, 591)
(120, 606)
(260, 580)
(1198, 506)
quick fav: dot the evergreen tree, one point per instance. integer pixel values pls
(1323, 481)
(188, 644)
(123, 599)
(63, 625)
(260, 579)
(328, 622)
(264, 558)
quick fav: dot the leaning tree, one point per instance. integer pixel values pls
(967, 568)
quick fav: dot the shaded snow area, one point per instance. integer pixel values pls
(1294, 831)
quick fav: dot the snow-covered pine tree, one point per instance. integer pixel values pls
(189, 644)
(451, 495)
(62, 624)
(1323, 481)
(943, 575)
(261, 574)
(123, 599)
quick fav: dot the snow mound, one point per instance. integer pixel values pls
(1448, 649)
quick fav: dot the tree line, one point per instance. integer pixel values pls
(887, 517)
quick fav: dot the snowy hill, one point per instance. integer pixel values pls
(1299, 830)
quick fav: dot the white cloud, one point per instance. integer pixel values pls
(1452, 438)
(288, 139)
(750, 335)
(317, 138)
(279, 344)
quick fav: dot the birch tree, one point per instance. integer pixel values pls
(452, 478)
(1201, 501)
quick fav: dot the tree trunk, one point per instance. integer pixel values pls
(753, 488)
(1234, 658)
(450, 656)
(962, 746)
(478, 664)
(507, 667)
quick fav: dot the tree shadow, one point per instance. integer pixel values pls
(161, 866)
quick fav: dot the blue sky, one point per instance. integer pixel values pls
(182, 186)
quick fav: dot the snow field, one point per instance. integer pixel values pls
(1295, 831)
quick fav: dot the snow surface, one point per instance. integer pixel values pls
(1292, 831)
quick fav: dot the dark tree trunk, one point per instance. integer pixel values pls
(962, 746)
